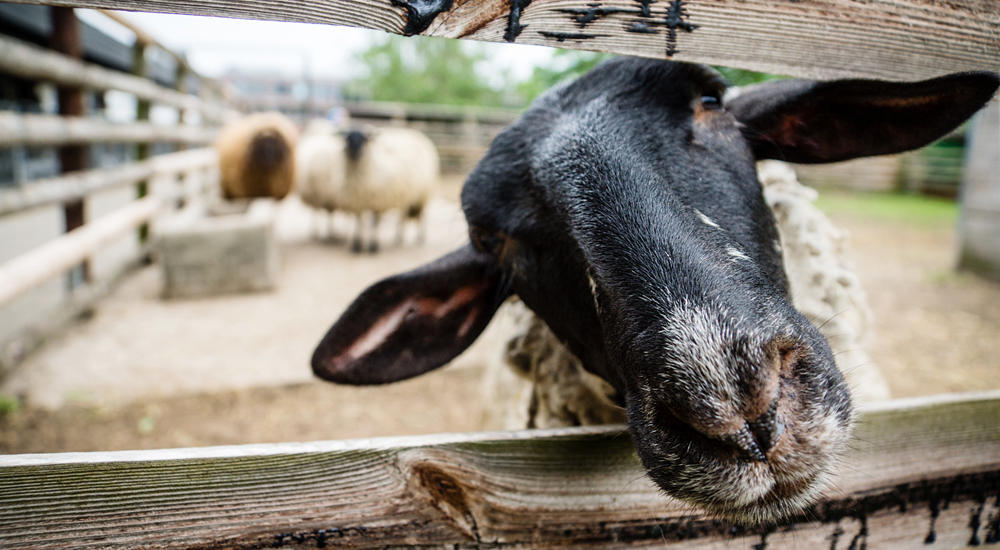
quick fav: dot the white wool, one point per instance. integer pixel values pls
(320, 127)
(398, 168)
(541, 384)
(319, 170)
(823, 283)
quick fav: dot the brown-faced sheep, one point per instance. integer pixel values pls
(257, 156)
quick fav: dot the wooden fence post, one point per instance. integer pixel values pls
(180, 84)
(979, 222)
(470, 134)
(65, 39)
(142, 107)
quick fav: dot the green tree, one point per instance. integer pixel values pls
(445, 71)
(425, 70)
(567, 64)
(742, 77)
(563, 65)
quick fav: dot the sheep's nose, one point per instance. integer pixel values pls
(767, 428)
(758, 434)
(756, 437)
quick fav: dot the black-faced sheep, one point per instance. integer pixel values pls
(624, 210)
(257, 156)
(540, 384)
(369, 173)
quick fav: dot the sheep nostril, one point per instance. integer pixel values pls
(767, 428)
(744, 440)
(758, 436)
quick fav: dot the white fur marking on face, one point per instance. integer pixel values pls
(699, 350)
(708, 221)
(777, 246)
(736, 253)
(593, 291)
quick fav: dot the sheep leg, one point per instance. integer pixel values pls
(373, 243)
(401, 230)
(421, 230)
(318, 231)
(356, 244)
(331, 228)
(416, 213)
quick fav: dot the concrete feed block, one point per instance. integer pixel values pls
(220, 250)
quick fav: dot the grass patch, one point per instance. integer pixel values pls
(889, 207)
(9, 405)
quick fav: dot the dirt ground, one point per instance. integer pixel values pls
(936, 330)
(149, 374)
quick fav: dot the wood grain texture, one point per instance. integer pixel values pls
(43, 263)
(39, 130)
(31, 62)
(898, 39)
(77, 185)
(910, 460)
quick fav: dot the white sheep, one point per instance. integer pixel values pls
(372, 172)
(541, 384)
(319, 171)
(538, 383)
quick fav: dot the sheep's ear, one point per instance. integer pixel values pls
(807, 121)
(413, 322)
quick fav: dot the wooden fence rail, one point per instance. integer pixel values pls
(31, 62)
(143, 38)
(405, 112)
(50, 260)
(77, 185)
(40, 130)
(73, 131)
(461, 134)
(902, 39)
(45, 262)
(920, 473)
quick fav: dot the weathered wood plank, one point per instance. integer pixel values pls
(65, 39)
(24, 272)
(22, 129)
(143, 37)
(83, 302)
(31, 62)
(910, 460)
(77, 185)
(979, 221)
(900, 39)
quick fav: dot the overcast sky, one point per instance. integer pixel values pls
(215, 44)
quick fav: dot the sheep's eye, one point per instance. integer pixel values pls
(711, 102)
(490, 242)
